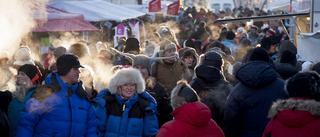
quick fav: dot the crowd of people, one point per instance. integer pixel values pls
(207, 80)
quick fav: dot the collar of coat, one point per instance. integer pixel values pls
(309, 105)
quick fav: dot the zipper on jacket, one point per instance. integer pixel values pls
(123, 105)
(69, 88)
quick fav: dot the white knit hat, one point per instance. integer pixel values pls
(23, 56)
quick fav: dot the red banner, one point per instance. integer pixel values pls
(173, 8)
(155, 6)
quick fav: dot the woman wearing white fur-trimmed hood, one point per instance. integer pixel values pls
(125, 108)
(191, 117)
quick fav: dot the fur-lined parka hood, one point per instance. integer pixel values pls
(125, 76)
(183, 94)
(191, 52)
(295, 112)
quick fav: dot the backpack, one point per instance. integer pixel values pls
(215, 98)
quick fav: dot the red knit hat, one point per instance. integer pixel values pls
(271, 32)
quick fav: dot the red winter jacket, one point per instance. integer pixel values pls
(294, 118)
(191, 120)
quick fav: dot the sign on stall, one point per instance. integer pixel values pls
(155, 6)
(173, 8)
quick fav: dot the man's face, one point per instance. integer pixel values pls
(169, 53)
(143, 70)
(188, 60)
(272, 49)
(73, 76)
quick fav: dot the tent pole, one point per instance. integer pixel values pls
(101, 30)
(285, 29)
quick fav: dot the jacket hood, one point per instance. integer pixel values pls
(191, 52)
(182, 94)
(295, 112)
(286, 45)
(209, 74)
(256, 74)
(286, 70)
(125, 76)
(195, 113)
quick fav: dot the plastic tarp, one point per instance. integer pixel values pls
(96, 11)
(58, 21)
(308, 46)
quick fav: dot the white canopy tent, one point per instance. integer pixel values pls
(308, 46)
(97, 10)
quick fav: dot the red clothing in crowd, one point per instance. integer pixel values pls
(191, 120)
(294, 118)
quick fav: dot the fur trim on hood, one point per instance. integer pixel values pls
(311, 106)
(124, 76)
(191, 52)
(188, 95)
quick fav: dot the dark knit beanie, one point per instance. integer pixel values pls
(66, 62)
(305, 84)
(132, 44)
(189, 43)
(288, 56)
(31, 71)
(212, 58)
(230, 35)
(260, 54)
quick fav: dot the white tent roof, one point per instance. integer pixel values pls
(95, 11)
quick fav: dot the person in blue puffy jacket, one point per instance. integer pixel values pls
(125, 109)
(61, 107)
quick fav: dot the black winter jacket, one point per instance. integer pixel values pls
(159, 93)
(249, 102)
(212, 90)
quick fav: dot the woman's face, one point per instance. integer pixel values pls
(188, 60)
(22, 78)
(128, 90)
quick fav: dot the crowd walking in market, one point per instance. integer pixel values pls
(205, 80)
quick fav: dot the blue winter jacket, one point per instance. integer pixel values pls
(248, 103)
(230, 44)
(14, 111)
(129, 123)
(58, 115)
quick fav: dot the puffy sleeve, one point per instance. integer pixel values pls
(29, 117)
(150, 121)
(167, 130)
(101, 119)
(91, 123)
